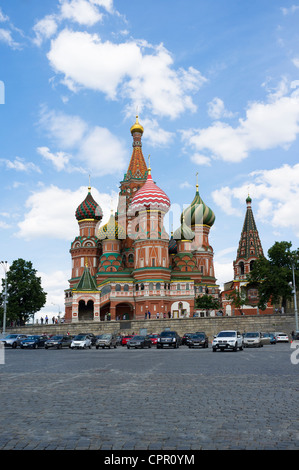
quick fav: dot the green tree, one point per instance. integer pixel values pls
(206, 302)
(274, 274)
(25, 295)
(238, 300)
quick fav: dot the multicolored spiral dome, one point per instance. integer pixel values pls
(89, 209)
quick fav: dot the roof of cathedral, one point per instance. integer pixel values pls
(86, 282)
(249, 244)
(198, 213)
(137, 168)
(172, 246)
(111, 230)
(89, 208)
(150, 196)
(183, 232)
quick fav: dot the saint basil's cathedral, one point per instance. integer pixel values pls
(130, 268)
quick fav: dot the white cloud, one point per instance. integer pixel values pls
(267, 125)
(275, 194)
(290, 10)
(50, 212)
(134, 69)
(19, 164)
(3, 17)
(44, 29)
(95, 148)
(6, 37)
(80, 11)
(199, 159)
(216, 109)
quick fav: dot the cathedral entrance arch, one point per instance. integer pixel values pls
(124, 311)
(85, 310)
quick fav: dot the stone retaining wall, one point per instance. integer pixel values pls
(211, 325)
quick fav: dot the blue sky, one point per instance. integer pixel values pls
(216, 86)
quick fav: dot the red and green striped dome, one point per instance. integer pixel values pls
(89, 209)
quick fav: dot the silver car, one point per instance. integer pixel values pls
(13, 340)
(106, 340)
(253, 339)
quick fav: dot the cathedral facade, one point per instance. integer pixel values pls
(130, 267)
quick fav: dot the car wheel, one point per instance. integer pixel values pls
(241, 348)
(14, 345)
(236, 347)
(214, 349)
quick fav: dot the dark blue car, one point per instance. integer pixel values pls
(34, 341)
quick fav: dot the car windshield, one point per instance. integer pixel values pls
(79, 337)
(32, 337)
(198, 336)
(56, 337)
(251, 335)
(106, 336)
(167, 333)
(226, 334)
(11, 336)
(138, 337)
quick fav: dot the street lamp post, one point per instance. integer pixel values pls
(4, 264)
(295, 296)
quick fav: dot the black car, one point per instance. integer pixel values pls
(139, 342)
(185, 338)
(34, 341)
(168, 339)
(58, 342)
(198, 340)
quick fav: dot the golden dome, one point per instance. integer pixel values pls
(137, 127)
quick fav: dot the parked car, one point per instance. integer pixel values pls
(198, 340)
(185, 338)
(107, 340)
(266, 338)
(125, 339)
(253, 339)
(229, 339)
(59, 342)
(91, 336)
(81, 342)
(13, 340)
(168, 339)
(34, 341)
(139, 341)
(153, 338)
(281, 338)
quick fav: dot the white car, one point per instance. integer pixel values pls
(81, 342)
(253, 339)
(229, 339)
(281, 338)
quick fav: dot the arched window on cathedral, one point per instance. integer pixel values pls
(241, 267)
(251, 265)
(118, 287)
(126, 287)
(131, 258)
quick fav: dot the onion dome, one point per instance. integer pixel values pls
(137, 127)
(89, 209)
(150, 196)
(198, 213)
(172, 246)
(183, 232)
(111, 230)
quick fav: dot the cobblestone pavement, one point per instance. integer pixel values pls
(151, 399)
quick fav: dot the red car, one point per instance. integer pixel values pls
(153, 338)
(125, 339)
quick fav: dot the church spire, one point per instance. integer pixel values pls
(137, 168)
(250, 247)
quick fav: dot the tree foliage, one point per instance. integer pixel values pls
(25, 295)
(238, 299)
(206, 302)
(274, 274)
